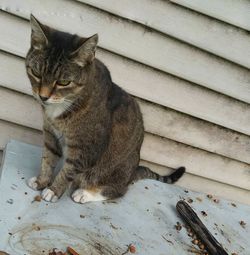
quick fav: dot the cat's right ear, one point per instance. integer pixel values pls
(39, 39)
(86, 52)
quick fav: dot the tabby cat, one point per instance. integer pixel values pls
(88, 120)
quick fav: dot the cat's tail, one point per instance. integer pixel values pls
(143, 172)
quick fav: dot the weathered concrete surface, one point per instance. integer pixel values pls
(145, 217)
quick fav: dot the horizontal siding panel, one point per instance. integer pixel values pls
(231, 11)
(197, 133)
(203, 185)
(169, 55)
(214, 36)
(158, 120)
(24, 111)
(1, 160)
(20, 109)
(13, 73)
(139, 81)
(10, 131)
(166, 152)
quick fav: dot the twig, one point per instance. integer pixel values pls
(192, 219)
(72, 251)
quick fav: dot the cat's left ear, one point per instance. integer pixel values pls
(39, 39)
(86, 52)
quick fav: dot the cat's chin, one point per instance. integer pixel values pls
(53, 110)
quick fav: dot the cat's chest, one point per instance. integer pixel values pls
(61, 139)
(53, 111)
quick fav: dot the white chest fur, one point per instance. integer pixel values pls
(54, 110)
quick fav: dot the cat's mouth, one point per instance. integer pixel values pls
(50, 101)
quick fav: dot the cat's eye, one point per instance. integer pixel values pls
(62, 82)
(35, 73)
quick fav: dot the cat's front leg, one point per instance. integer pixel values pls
(51, 154)
(79, 158)
(61, 181)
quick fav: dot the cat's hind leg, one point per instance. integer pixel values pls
(87, 195)
(98, 194)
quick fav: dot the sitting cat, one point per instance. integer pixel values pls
(95, 125)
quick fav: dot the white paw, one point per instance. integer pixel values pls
(49, 195)
(83, 196)
(32, 183)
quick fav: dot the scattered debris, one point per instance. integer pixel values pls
(25, 193)
(216, 200)
(186, 191)
(131, 248)
(10, 201)
(195, 241)
(190, 200)
(178, 226)
(19, 218)
(112, 226)
(146, 187)
(159, 203)
(37, 228)
(82, 216)
(110, 202)
(199, 199)
(196, 251)
(167, 239)
(204, 213)
(56, 252)
(71, 251)
(4, 253)
(209, 196)
(243, 224)
(37, 198)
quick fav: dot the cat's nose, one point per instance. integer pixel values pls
(44, 98)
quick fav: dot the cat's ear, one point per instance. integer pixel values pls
(86, 52)
(39, 39)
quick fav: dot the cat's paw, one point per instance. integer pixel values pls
(49, 195)
(32, 183)
(83, 196)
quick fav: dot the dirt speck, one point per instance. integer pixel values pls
(204, 213)
(56, 252)
(216, 201)
(243, 223)
(112, 226)
(37, 198)
(10, 201)
(178, 226)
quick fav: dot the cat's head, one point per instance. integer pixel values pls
(58, 63)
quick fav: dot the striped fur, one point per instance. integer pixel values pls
(95, 125)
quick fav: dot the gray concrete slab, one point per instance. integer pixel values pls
(145, 217)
